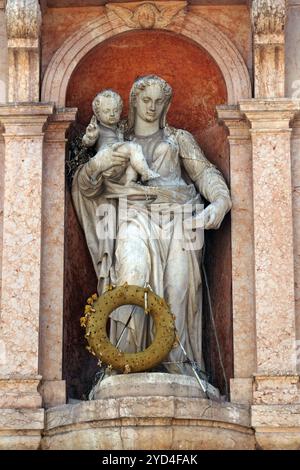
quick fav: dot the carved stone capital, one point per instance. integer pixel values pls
(268, 19)
(23, 20)
(147, 15)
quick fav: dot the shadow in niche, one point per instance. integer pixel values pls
(79, 366)
(217, 343)
(198, 87)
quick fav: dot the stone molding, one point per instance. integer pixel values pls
(147, 15)
(235, 122)
(204, 33)
(276, 390)
(21, 419)
(24, 120)
(20, 393)
(273, 115)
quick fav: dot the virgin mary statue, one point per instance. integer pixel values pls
(146, 248)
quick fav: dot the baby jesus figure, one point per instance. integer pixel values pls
(103, 131)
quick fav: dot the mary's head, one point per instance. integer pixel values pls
(150, 98)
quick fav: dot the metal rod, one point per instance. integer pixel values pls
(200, 381)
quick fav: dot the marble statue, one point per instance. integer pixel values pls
(141, 253)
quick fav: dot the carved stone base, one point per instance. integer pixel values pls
(277, 427)
(20, 429)
(152, 422)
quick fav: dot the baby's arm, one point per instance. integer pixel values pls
(92, 133)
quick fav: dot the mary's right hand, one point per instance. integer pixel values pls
(105, 160)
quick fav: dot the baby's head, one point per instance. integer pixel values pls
(107, 107)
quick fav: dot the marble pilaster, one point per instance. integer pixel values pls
(273, 233)
(52, 267)
(21, 254)
(276, 382)
(242, 253)
(296, 219)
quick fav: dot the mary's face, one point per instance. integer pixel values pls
(150, 103)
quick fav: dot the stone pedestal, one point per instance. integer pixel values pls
(151, 384)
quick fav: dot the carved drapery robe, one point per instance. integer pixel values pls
(147, 248)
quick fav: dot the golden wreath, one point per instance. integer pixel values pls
(95, 320)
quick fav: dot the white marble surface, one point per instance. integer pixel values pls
(151, 384)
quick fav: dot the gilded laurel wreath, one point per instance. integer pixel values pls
(95, 321)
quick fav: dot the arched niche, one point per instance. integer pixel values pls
(204, 33)
(205, 70)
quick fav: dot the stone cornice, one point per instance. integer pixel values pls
(267, 115)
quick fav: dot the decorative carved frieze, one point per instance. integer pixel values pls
(147, 15)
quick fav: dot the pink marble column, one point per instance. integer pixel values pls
(52, 269)
(242, 253)
(2, 151)
(273, 235)
(296, 219)
(21, 254)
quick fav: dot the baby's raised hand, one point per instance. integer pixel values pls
(93, 128)
(92, 133)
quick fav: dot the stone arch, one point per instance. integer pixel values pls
(201, 31)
